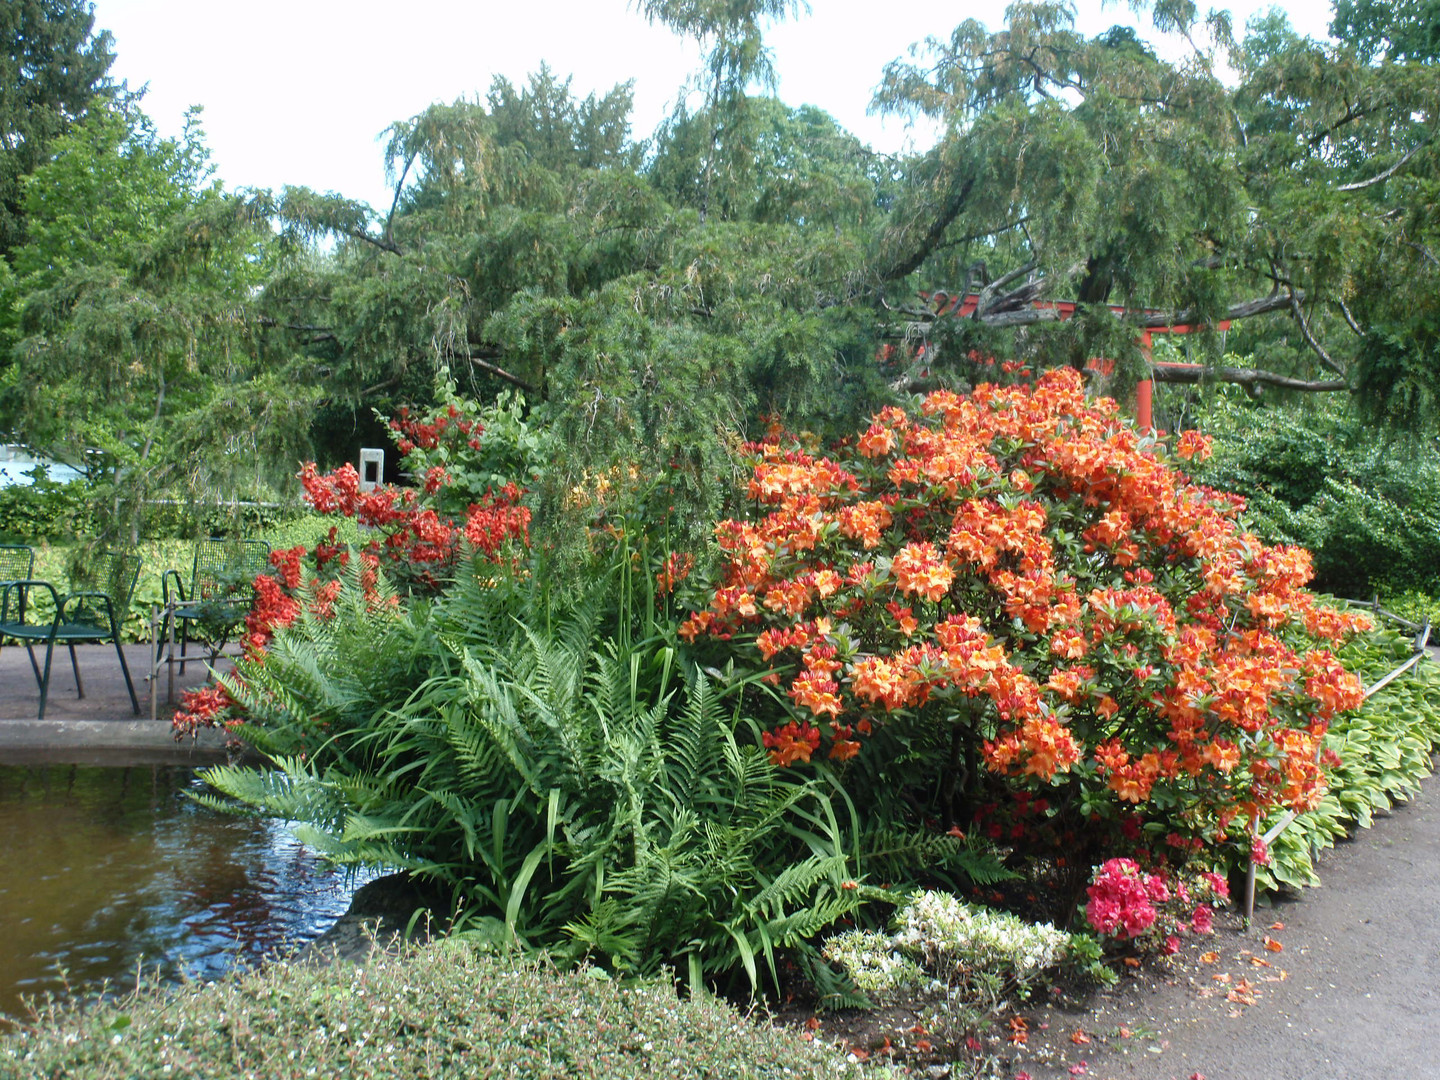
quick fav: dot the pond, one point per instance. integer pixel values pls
(106, 868)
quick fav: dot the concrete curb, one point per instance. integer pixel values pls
(110, 742)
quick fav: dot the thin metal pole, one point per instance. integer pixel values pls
(170, 652)
(1250, 873)
(154, 661)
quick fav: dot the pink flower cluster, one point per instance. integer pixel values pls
(1132, 905)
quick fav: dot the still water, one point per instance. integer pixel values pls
(104, 868)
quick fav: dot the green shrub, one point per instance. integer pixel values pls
(1366, 504)
(441, 1010)
(43, 511)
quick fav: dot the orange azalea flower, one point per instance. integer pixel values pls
(1130, 784)
(904, 618)
(1069, 644)
(877, 441)
(1065, 683)
(919, 569)
(1193, 445)
(813, 690)
(1110, 755)
(827, 582)
(791, 743)
(697, 624)
(865, 521)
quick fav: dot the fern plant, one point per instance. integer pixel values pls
(574, 784)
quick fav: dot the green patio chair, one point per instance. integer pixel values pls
(220, 592)
(88, 617)
(17, 563)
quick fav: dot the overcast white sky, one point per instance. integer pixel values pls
(298, 91)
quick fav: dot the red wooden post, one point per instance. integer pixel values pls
(1144, 390)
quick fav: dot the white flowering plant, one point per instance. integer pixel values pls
(941, 945)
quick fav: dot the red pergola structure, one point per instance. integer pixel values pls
(962, 307)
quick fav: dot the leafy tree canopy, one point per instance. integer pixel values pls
(657, 301)
(136, 351)
(51, 65)
(1389, 30)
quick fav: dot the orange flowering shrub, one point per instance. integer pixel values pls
(1023, 574)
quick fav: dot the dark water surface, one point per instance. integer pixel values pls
(104, 868)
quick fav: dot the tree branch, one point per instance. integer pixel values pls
(501, 373)
(1380, 178)
(1236, 311)
(1353, 112)
(1028, 316)
(1348, 317)
(384, 243)
(1423, 250)
(951, 210)
(393, 381)
(983, 303)
(1325, 357)
(1250, 378)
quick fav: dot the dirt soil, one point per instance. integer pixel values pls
(1341, 983)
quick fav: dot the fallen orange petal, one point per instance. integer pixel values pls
(1273, 945)
(1211, 957)
(1079, 1038)
(1130, 961)
(1277, 926)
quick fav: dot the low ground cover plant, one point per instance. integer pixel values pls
(1380, 752)
(442, 1010)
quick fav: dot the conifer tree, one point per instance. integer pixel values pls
(52, 63)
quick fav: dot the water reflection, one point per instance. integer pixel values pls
(104, 868)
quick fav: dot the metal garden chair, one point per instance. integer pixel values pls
(220, 591)
(88, 617)
(17, 563)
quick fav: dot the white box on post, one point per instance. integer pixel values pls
(372, 468)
